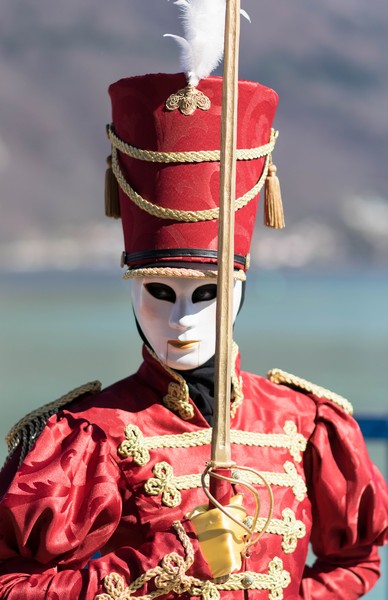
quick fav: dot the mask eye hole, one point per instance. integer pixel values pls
(160, 291)
(204, 293)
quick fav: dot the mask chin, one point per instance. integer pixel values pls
(187, 361)
(185, 366)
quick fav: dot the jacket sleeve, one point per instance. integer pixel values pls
(350, 509)
(63, 505)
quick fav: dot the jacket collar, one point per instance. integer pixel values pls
(174, 388)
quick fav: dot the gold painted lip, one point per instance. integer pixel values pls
(187, 345)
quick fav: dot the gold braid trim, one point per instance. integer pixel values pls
(289, 528)
(164, 482)
(187, 157)
(281, 377)
(275, 581)
(171, 577)
(187, 216)
(27, 430)
(179, 272)
(177, 399)
(237, 384)
(291, 439)
(138, 447)
(290, 478)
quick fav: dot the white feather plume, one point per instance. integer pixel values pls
(202, 46)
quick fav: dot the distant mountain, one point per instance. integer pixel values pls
(327, 60)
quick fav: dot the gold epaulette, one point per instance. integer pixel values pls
(281, 377)
(27, 430)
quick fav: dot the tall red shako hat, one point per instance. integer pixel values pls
(164, 172)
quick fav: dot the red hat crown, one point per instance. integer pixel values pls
(168, 170)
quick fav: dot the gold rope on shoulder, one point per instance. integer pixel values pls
(282, 377)
(31, 425)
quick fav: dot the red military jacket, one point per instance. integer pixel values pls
(117, 472)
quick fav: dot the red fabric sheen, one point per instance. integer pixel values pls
(74, 495)
(141, 119)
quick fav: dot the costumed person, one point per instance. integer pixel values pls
(117, 471)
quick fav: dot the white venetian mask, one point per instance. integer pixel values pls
(178, 317)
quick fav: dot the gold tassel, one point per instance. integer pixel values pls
(112, 199)
(273, 206)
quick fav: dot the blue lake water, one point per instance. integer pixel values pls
(61, 329)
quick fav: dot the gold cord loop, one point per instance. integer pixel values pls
(187, 216)
(187, 157)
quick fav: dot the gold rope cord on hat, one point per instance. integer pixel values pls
(187, 157)
(191, 216)
(178, 272)
(187, 216)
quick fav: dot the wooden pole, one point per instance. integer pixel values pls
(221, 453)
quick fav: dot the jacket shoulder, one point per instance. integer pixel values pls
(306, 387)
(24, 434)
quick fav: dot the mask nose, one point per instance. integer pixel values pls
(182, 315)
